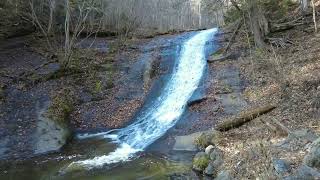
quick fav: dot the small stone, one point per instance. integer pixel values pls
(200, 161)
(281, 166)
(209, 149)
(224, 175)
(312, 159)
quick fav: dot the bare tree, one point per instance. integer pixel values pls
(314, 16)
(304, 5)
(258, 23)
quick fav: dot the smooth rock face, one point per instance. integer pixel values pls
(281, 166)
(49, 136)
(186, 143)
(209, 149)
(312, 159)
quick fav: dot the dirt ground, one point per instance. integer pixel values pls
(288, 78)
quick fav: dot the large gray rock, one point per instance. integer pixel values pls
(304, 173)
(216, 154)
(213, 168)
(281, 166)
(224, 175)
(208, 138)
(312, 159)
(216, 161)
(50, 135)
(200, 161)
(297, 140)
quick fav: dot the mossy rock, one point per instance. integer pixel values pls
(61, 106)
(200, 161)
(208, 138)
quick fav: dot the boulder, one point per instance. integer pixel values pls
(208, 138)
(213, 167)
(298, 139)
(304, 172)
(224, 175)
(200, 161)
(312, 159)
(216, 154)
(211, 170)
(281, 166)
(216, 160)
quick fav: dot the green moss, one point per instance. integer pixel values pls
(61, 106)
(208, 138)
(98, 87)
(201, 162)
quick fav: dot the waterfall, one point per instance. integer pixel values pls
(165, 110)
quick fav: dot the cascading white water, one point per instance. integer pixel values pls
(166, 109)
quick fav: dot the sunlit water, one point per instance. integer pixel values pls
(164, 111)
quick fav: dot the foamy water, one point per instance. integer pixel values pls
(166, 109)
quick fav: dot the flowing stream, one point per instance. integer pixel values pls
(165, 110)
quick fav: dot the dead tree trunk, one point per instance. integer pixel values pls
(258, 24)
(304, 5)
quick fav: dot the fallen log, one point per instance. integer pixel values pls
(224, 57)
(218, 58)
(197, 101)
(244, 117)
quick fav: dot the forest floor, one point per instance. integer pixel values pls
(274, 145)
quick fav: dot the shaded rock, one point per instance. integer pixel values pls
(281, 166)
(196, 101)
(298, 139)
(216, 154)
(304, 134)
(304, 172)
(200, 161)
(186, 143)
(208, 138)
(312, 159)
(50, 135)
(213, 168)
(224, 175)
(209, 149)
